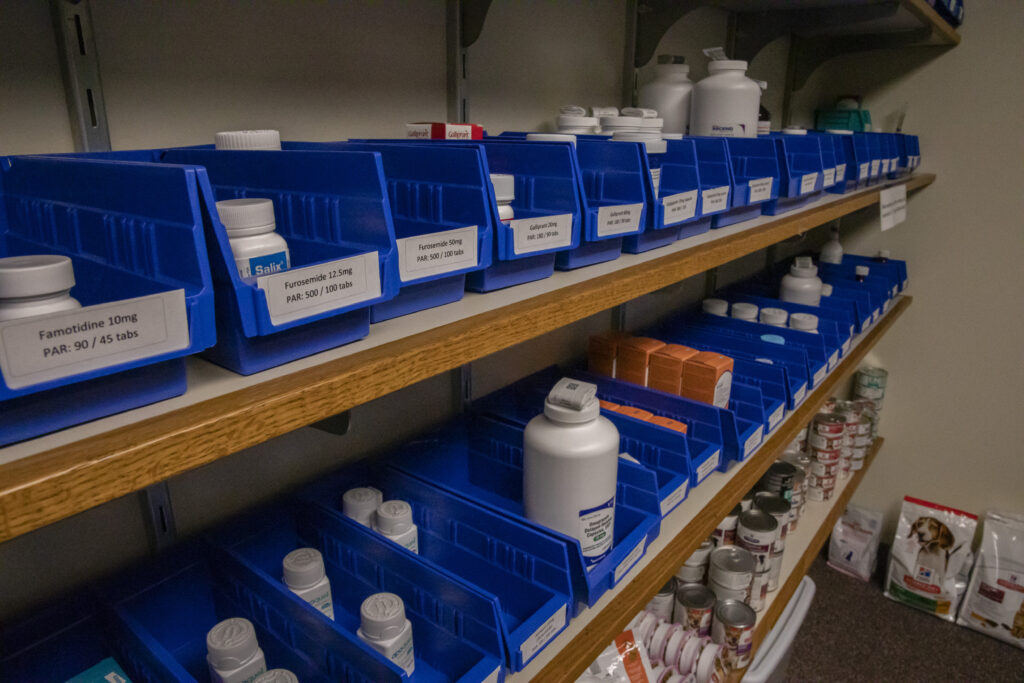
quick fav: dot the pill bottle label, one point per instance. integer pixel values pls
(722, 390)
(679, 207)
(714, 199)
(728, 130)
(595, 534)
(436, 253)
(403, 655)
(760, 189)
(262, 265)
(412, 543)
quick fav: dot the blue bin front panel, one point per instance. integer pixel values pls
(800, 164)
(715, 172)
(613, 175)
(755, 167)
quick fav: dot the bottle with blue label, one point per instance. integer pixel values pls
(255, 244)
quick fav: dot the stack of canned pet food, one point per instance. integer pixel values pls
(870, 383)
(825, 448)
(802, 462)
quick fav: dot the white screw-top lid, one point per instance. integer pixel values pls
(303, 568)
(566, 121)
(551, 137)
(861, 271)
(247, 139)
(716, 65)
(672, 136)
(715, 307)
(826, 289)
(248, 216)
(572, 110)
(35, 275)
(883, 253)
(773, 316)
(361, 502)
(230, 643)
(642, 112)
(803, 321)
(837, 131)
(504, 186)
(604, 111)
(572, 401)
(393, 517)
(744, 311)
(382, 616)
(277, 676)
(794, 130)
(803, 266)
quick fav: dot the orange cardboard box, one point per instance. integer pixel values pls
(668, 423)
(665, 372)
(632, 358)
(608, 405)
(638, 413)
(601, 351)
(707, 377)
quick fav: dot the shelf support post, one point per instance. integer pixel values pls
(159, 516)
(80, 69)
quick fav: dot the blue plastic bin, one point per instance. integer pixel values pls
(910, 153)
(894, 269)
(834, 326)
(134, 233)
(716, 179)
(756, 178)
(442, 208)
(850, 152)
(801, 166)
(828, 160)
(456, 628)
(876, 151)
(481, 459)
(526, 572)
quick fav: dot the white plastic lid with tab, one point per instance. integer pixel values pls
(394, 517)
(382, 616)
(303, 568)
(640, 112)
(248, 139)
(35, 275)
(248, 216)
(231, 643)
(361, 502)
(572, 401)
(504, 186)
(883, 254)
(803, 266)
(277, 676)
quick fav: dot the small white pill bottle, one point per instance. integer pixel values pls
(277, 676)
(802, 284)
(257, 248)
(719, 307)
(383, 626)
(504, 193)
(304, 574)
(361, 504)
(394, 520)
(35, 285)
(248, 139)
(233, 654)
(744, 311)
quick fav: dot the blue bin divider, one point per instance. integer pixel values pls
(910, 153)
(443, 216)
(884, 276)
(834, 326)
(880, 287)
(848, 155)
(756, 179)
(876, 151)
(480, 458)
(772, 383)
(828, 160)
(894, 269)
(131, 231)
(716, 178)
(861, 147)
(527, 572)
(802, 172)
(747, 401)
(69, 636)
(847, 291)
(456, 628)
(892, 152)
(674, 212)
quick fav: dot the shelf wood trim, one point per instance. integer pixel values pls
(55, 484)
(942, 32)
(576, 655)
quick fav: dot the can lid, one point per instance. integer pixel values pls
(572, 401)
(773, 316)
(393, 517)
(695, 596)
(735, 613)
(862, 271)
(781, 469)
(716, 65)
(361, 502)
(277, 676)
(230, 643)
(803, 321)
(504, 186)
(758, 520)
(803, 266)
(247, 216)
(551, 137)
(772, 504)
(35, 275)
(303, 567)
(382, 616)
(715, 306)
(731, 558)
(247, 139)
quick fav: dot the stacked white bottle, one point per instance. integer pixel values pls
(832, 251)
(807, 322)
(394, 520)
(669, 93)
(726, 103)
(257, 248)
(361, 504)
(573, 120)
(719, 307)
(744, 311)
(802, 284)
(504, 193)
(233, 654)
(35, 285)
(383, 626)
(776, 317)
(570, 468)
(248, 139)
(304, 574)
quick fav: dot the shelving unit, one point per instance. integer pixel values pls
(688, 525)
(58, 475)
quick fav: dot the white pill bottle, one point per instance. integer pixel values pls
(726, 103)
(570, 468)
(669, 93)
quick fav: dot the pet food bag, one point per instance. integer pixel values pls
(853, 548)
(994, 602)
(624, 661)
(932, 547)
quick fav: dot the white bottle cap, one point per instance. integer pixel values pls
(247, 139)
(230, 643)
(382, 616)
(803, 266)
(393, 517)
(836, 131)
(361, 503)
(883, 253)
(672, 136)
(794, 130)
(861, 271)
(572, 401)
(504, 186)
(744, 311)
(551, 137)
(642, 112)
(773, 316)
(303, 568)
(716, 65)
(826, 289)
(572, 110)
(35, 275)
(803, 321)
(277, 676)
(567, 121)
(249, 216)
(715, 307)
(598, 112)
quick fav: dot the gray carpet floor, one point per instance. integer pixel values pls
(854, 633)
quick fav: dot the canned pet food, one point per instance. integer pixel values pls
(874, 393)
(863, 424)
(829, 424)
(871, 377)
(758, 591)
(856, 465)
(826, 442)
(675, 645)
(859, 452)
(725, 593)
(818, 494)
(694, 605)
(731, 567)
(661, 604)
(733, 629)
(725, 533)
(710, 666)
(780, 509)
(747, 501)
(773, 573)
(825, 482)
(645, 630)
(829, 405)
(825, 469)
(757, 532)
(779, 479)
(659, 640)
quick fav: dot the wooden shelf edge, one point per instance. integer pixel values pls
(55, 484)
(942, 31)
(574, 656)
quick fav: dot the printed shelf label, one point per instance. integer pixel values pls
(619, 219)
(679, 207)
(865, 171)
(885, 165)
(800, 394)
(846, 344)
(436, 253)
(548, 630)
(634, 556)
(714, 200)
(840, 173)
(708, 466)
(776, 417)
(674, 498)
(875, 163)
(760, 189)
(819, 376)
(892, 206)
(830, 177)
(544, 232)
(753, 441)
(807, 182)
(58, 345)
(833, 360)
(302, 292)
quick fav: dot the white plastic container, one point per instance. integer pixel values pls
(570, 468)
(504, 193)
(383, 626)
(551, 137)
(577, 125)
(247, 139)
(832, 251)
(726, 103)
(257, 248)
(776, 317)
(744, 311)
(303, 573)
(394, 520)
(719, 307)
(35, 285)
(802, 285)
(361, 504)
(808, 322)
(669, 93)
(233, 654)
(277, 676)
